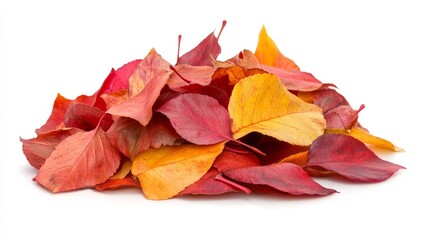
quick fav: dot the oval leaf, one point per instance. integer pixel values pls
(166, 171)
(285, 177)
(260, 103)
(82, 160)
(350, 158)
(200, 119)
(155, 71)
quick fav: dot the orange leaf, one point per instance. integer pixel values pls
(299, 159)
(164, 172)
(260, 103)
(268, 54)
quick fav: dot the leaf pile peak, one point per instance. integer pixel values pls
(252, 123)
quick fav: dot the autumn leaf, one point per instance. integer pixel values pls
(300, 159)
(139, 107)
(350, 158)
(268, 54)
(130, 137)
(86, 117)
(38, 149)
(113, 184)
(261, 103)
(231, 160)
(204, 52)
(284, 177)
(185, 75)
(164, 172)
(200, 119)
(209, 185)
(368, 138)
(82, 160)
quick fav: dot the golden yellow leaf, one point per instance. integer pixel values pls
(260, 103)
(300, 159)
(268, 54)
(367, 138)
(123, 172)
(164, 172)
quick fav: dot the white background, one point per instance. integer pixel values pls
(376, 52)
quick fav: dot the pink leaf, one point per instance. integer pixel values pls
(350, 158)
(284, 177)
(82, 160)
(295, 80)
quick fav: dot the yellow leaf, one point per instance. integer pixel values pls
(123, 172)
(367, 138)
(300, 159)
(164, 172)
(260, 103)
(268, 54)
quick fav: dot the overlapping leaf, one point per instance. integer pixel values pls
(252, 123)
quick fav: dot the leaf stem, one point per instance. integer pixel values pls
(249, 147)
(182, 77)
(233, 184)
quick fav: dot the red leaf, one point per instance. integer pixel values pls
(82, 160)
(336, 110)
(131, 138)
(38, 149)
(200, 119)
(208, 185)
(212, 91)
(56, 119)
(156, 72)
(285, 177)
(201, 75)
(113, 184)
(295, 80)
(86, 117)
(230, 160)
(350, 158)
(203, 54)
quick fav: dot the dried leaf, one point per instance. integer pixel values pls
(261, 103)
(268, 54)
(350, 158)
(82, 160)
(38, 149)
(285, 177)
(166, 171)
(139, 107)
(200, 119)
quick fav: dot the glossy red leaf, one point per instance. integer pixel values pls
(130, 137)
(155, 71)
(209, 185)
(284, 177)
(230, 160)
(82, 160)
(350, 158)
(85, 117)
(204, 52)
(200, 119)
(38, 149)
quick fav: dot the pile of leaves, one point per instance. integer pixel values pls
(252, 123)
